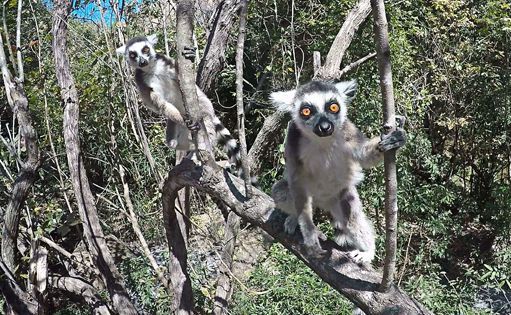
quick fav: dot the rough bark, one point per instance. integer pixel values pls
(267, 139)
(93, 232)
(176, 238)
(17, 300)
(353, 281)
(213, 59)
(381, 37)
(224, 286)
(342, 41)
(82, 289)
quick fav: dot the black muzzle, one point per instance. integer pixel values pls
(324, 128)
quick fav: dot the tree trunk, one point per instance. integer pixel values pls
(85, 200)
(213, 59)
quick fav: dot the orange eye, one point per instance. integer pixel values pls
(305, 112)
(145, 50)
(334, 108)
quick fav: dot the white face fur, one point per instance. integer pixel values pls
(318, 108)
(139, 51)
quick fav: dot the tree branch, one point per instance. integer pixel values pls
(94, 236)
(176, 238)
(352, 66)
(239, 96)
(342, 41)
(213, 59)
(82, 289)
(353, 281)
(18, 102)
(381, 37)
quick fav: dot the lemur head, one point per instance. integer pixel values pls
(318, 108)
(139, 51)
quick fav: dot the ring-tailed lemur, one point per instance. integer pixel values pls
(325, 153)
(156, 79)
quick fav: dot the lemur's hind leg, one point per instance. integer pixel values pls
(352, 228)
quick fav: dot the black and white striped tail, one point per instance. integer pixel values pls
(231, 146)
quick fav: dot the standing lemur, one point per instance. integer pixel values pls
(325, 154)
(156, 79)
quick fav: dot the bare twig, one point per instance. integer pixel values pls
(8, 41)
(239, 97)
(21, 73)
(383, 49)
(352, 66)
(136, 228)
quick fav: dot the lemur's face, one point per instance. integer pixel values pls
(139, 51)
(318, 108)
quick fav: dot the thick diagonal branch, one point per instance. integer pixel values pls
(356, 283)
(342, 41)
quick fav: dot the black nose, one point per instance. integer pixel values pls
(324, 128)
(142, 63)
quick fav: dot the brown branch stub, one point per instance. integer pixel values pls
(384, 68)
(93, 232)
(355, 282)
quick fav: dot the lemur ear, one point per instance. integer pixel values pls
(153, 39)
(283, 100)
(121, 50)
(348, 88)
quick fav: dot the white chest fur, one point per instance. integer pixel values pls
(161, 79)
(328, 167)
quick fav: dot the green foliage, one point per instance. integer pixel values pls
(451, 76)
(282, 283)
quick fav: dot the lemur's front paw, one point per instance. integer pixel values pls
(192, 125)
(396, 138)
(189, 53)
